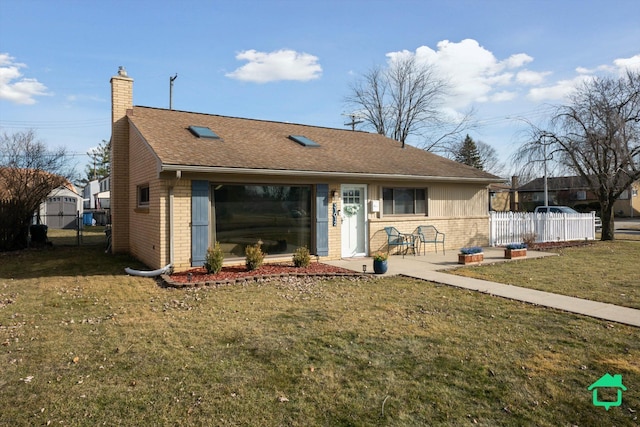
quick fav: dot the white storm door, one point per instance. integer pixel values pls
(353, 220)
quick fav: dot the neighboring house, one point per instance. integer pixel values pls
(628, 204)
(504, 197)
(569, 191)
(97, 201)
(88, 194)
(573, 191)
(61, 207)
(103, 197)
(181, 181)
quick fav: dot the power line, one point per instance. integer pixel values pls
(53, 124)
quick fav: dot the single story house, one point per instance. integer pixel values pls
(181, 181)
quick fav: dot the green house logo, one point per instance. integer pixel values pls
(608, 381)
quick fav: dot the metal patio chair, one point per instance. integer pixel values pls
(430, 234)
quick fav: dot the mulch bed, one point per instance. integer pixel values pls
(558, 245)
(239, 274)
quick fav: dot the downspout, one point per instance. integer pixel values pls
(171, 256)
(171, 221)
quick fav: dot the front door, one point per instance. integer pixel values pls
(353, 220)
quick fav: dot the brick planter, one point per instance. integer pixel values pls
(470, 258)
(515, 253)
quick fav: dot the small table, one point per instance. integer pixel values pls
(410, 238)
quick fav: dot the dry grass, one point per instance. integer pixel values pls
(88, 236)
(83, 344)
(603, 271)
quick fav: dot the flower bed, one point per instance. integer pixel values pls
(239, 274)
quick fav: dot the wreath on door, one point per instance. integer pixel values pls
(351, 210)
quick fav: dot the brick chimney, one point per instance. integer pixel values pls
(121, 103)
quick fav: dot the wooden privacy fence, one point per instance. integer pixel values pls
(512, 227)
(9, 234)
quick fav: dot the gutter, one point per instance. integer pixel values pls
(324, 175)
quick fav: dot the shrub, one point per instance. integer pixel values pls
(529, 238)
(471, 250)
(301, 257)
(214, 259)
(255, 256)
(517, 246)
(380, 256)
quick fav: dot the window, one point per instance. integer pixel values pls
(404, 201)
(278, 215)
(143, 196)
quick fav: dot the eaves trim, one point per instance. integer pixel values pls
(321, 174)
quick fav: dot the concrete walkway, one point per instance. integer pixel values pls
(429, 266)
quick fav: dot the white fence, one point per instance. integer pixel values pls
(510, 227)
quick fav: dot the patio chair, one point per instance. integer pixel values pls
(401, 240)
(430, 234)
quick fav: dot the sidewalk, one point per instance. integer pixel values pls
(429, 267)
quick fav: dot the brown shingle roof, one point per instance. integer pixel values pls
(265, 145)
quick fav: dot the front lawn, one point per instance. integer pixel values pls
(84, 344)
(603, 271)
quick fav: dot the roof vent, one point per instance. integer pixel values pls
(203, 132)
(304, 141)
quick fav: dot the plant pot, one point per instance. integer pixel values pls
(515, 253)
(470, 258)
(379, 267)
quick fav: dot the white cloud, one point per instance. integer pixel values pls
(473, 72)
(558, 91)
(13, 86)
(631, 64)
(532, 78)
(285, 64)
(562, 88)
(502, 96)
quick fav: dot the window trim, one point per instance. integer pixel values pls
(140, 191)
(414, 214)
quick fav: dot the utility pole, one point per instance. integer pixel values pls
(171, 79)
(353, 121)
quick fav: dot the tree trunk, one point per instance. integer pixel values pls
(607, 220)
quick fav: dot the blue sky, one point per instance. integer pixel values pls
(293, 61)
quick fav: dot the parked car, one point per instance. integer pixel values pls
(564, 209)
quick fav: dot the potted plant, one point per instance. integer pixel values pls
(380, 262)
(470, 255)
(515, 250)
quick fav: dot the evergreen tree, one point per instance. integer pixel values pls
(468, 154)
(100, 165)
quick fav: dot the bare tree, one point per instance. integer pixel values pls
(28, 173)
(597, 136)
(404, 100)
(490, 159)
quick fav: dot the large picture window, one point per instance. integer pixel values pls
(404, 201)
(277, 215)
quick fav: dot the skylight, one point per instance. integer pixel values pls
(304, 141)
(203, 132)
